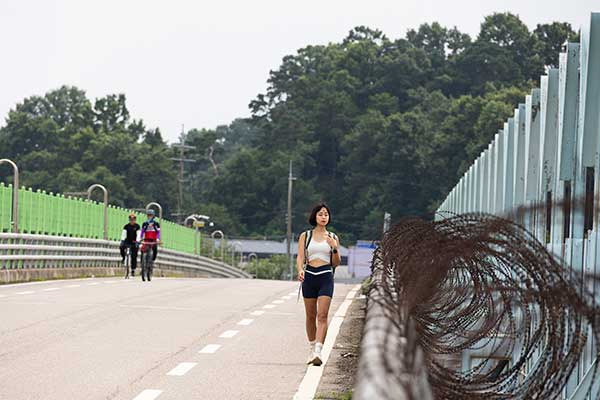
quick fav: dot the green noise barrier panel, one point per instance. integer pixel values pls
(54, 214)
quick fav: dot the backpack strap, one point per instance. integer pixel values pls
(307, 239)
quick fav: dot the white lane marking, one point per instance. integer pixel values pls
(257, 313)
(50, 289)
(310, 382)
(228, 334)
(246, 321)
(210, 349)
(351, 294)
(93, 283)
(292, 294)
(286, 297)
(26, 292)
(148, 394)
(111, 281)
(182, 368)
(268, 306)
(278, 302)
(73, 286)
(2, 295)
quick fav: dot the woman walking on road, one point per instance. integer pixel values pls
(317, 257)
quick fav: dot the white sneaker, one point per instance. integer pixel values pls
(311, 353)
(316, 359)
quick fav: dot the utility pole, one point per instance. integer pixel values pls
(182, 160)
(289, 222)
(387, 219)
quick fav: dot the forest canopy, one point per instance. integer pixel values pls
(372, 124)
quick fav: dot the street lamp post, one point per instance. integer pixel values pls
(233, 247)
(195, 220)
(222, 236)
(255, 261)
(155, 204)
(105, 192)
(15, 206)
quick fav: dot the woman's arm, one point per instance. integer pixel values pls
(300, 257)
(337, 258)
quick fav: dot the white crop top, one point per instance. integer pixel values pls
(318, 250)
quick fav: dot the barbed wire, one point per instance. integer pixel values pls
(484, 284)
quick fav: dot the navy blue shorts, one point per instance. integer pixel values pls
(318, 281)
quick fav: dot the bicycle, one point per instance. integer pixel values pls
(146, 259)
(127, 262)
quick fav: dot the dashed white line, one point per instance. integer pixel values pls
(286, 297)
(257, 313)
(278, 302)
(148, 394)
(210, 349)
(292, 294)
(245, 321)
(228, 334)
(182, 368)
(50, 289)
(73, 286)
(93, 283)
(268, 306)
(26, 292)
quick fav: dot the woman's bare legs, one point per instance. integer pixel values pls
(310, 305)
(322, 309)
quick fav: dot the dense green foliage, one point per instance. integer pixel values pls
(372, 125)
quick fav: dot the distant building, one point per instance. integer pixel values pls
(360, 257)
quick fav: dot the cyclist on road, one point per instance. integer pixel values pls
(129, 238)
(151, 232)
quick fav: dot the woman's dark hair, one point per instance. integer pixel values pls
(313, 214)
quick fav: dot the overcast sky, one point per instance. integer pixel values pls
(199, 63)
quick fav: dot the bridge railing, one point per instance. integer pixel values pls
(543, 168)
(391, 364)
(31, 252)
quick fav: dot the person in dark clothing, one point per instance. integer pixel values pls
(130, 236)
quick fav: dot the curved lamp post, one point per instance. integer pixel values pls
(15, 206)
(233, 246)
(105, 192)
(194, 219)
(155, 204)
(255, 261)
(222, 235)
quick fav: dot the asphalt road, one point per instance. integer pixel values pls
(167, 339)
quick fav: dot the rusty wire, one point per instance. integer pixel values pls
(478, 281)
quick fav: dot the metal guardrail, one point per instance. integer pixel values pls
(25, 251)
(391, 364)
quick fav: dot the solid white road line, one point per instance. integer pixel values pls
(310, 382)
(278, 302)
(182, 369)
(228, 334)
(26, 292)
(210, 349)
(148, 394)
(245, 321)
(50, 289)
(268, 306)
(257, 313)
